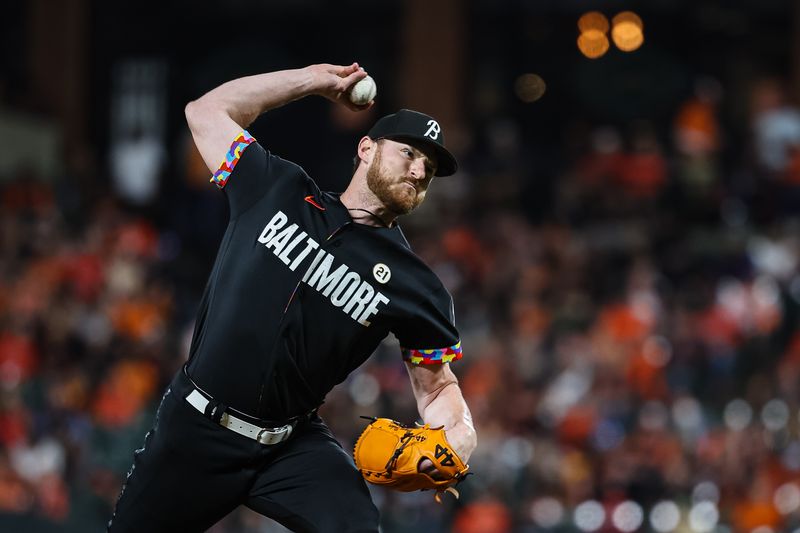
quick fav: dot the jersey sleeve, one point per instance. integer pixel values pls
(430, 336)
(246, 174)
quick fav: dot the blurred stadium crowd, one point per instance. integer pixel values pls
(632, 355)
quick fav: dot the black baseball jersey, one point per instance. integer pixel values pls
(300, 295)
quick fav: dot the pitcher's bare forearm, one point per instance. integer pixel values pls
(219, 115)
(440, 403)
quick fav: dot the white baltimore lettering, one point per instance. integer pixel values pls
(343, 286)
(361, 297)
(372, 308)
(345, 289)
(314, 264)
(285, 253)
(311, 244)
(280, 240)
(326, 282)
(277, 222)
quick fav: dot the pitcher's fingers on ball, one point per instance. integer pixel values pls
(363, 91)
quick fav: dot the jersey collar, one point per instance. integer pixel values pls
(335, 209)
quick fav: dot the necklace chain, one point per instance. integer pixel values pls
(383, 223)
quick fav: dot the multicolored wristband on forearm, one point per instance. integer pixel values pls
(432, 356)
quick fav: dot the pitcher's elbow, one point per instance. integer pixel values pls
(192, 113)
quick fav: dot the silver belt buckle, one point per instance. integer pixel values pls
(270, 436)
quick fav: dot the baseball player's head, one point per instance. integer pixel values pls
(399, 156)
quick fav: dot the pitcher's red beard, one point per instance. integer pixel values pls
(398, 195)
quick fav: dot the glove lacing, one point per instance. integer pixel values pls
(405, 440)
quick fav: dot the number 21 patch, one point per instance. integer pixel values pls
(381, 272)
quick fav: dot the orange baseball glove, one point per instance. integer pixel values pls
(389, 453)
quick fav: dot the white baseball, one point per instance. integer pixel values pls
(363, 91)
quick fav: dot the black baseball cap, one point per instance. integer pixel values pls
(408, 125)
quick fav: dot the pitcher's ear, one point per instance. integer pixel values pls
(366, 149)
